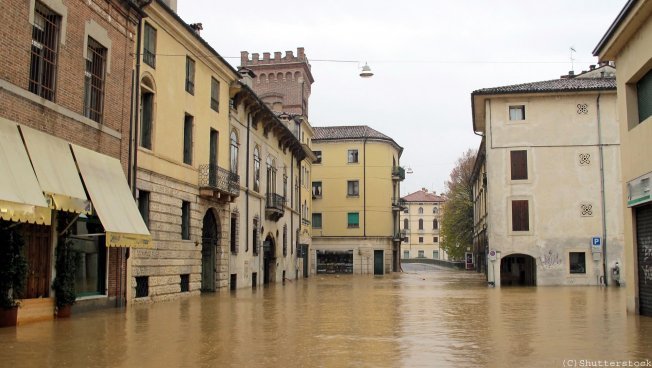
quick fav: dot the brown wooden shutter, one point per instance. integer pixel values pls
(519, 165)
(520, 216)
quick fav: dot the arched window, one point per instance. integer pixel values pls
(406, 224)
(435, 210)
(256, 169)
(420, 210)
(420, 224)
(146, 113)
(234, 152)
(435, 224)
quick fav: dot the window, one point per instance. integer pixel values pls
(256, 169)
(435, 224)
(190, 75)
(187, 139)
(316, 189)
(149, 47)
(435, 239)
(406, 240)
(420, 224)
(90, 254)
(318, 154)
(353, 219)
(406, 254)
(234, 233)
(420, 210)
(254, 237)
(406, 211)
(353, 188)
(234, 152)
(518, 161)
(421, 239)
(435, 210)
(215, 94)
(184, 283)
(94, 80)
(316, 220)
(577, 262)
(353, 156)
(143, 206)
(142, 286)
(43, 62)
(285, 240)
(406, 224)
(421, 254)
(271, 176)
(185, 220)
(644, 96)
(435, 254)
(517, 112)
(146, 118)
(520, 215)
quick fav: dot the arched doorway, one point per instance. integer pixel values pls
(209, 244)
(518, 270)
(269, 260)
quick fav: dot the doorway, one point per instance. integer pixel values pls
(37, 247)
(518, 270)
(269, 260)
(209, 244)
(378, 262)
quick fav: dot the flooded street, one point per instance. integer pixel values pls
(420, 318)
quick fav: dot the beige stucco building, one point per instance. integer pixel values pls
(355, 187)
(551, 156)
(628, 42)
(420, 221)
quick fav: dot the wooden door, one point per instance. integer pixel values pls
(37, 246)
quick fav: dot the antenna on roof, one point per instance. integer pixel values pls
(572, 59)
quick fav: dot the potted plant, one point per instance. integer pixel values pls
(64, 282)
(13, 274)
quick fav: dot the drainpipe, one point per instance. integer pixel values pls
(247, 187)
(602, 196)
(364, 186)
(135, 116)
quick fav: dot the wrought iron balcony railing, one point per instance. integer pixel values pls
(219, 179)
(274, 206)
(398, 203)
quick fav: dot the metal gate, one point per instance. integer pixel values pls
(644, 252)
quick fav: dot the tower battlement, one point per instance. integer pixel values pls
(277, 59)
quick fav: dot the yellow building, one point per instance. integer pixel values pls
(627, 42)
(355, 182)
(186, 177)
(420, 221)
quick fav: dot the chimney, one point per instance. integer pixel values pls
(197, 27)
(592, 67)
(424, 190)
(247, 76)
(172, 4)
(571, 73)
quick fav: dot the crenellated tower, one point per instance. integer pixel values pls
(282, 82)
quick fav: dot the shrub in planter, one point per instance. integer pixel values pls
(64, 282)
(13, 267)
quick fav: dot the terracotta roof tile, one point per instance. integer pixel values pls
(350, 132)
(422, 196)
(555, 85)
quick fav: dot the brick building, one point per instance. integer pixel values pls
(65, 70)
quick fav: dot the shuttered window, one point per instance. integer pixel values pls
(353, 219)
(518, 161)
(185, 220)
(316, 220)
(149, 46)
(190, 76)
(644, 93)
(520, 215)
(187, 139)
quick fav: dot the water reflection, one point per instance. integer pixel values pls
(439, 318)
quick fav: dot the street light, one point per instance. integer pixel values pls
(366, 71)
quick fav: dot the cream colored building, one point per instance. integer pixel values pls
(552, 157)
(355, 187)
(184, 175)
(420, 222)
(628, 42)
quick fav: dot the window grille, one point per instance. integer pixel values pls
(582, 109)
(43, 61)
(185, 283)
(586, 210)
(584, 159)
(94, 80)
(142, 286)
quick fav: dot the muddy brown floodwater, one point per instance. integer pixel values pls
(421, 318)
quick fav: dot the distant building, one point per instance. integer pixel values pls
(628, 42)
(546, 190)
(420, 223)
(356, 186)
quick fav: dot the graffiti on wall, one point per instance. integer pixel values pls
(645, 251)
(551, 260)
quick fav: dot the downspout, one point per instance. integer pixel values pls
(602, 196)
(364, 187)
(247, 188)
(133, 140)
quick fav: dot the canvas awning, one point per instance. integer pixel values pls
(56, 171)
(21, 197)
(112, 200)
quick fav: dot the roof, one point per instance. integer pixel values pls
(330, 133)
(614, 26)
(423, 196)
(554, 85)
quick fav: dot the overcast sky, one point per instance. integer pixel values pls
(427, 56)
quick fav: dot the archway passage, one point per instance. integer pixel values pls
(269, 260)
(518, 270)
(209, 244)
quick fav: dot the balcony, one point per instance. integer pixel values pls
(218, 183)
(274, 206)
(400, 236)
(398, 173)
(398, 204)
(305, 222)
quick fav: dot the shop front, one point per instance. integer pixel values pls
(334, 262)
